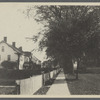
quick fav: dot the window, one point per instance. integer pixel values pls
(2, 48)
(9, 57)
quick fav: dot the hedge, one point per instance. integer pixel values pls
(21, 74)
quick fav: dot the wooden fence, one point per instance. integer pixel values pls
(29, 86)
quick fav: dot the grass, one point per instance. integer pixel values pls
(87, 84)
(6, 87)
(7, 90)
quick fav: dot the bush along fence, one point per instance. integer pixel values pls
(30, 85)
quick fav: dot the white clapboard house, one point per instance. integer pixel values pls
(12, 53)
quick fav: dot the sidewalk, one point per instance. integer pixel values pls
(59, 87)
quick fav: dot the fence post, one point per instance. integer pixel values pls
(43, 80)
(18, 87)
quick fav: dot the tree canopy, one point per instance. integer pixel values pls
(72, 31)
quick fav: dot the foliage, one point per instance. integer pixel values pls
(70, 32)
(9, 65)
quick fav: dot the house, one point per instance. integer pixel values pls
(28, 56)
(25, 57)
(36, 60)
(12, 53)
(9, 52)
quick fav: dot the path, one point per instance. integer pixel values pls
(59, 87)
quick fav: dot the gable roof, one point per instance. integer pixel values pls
(36, 59)
(14, 48)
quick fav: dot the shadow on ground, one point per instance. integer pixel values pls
(44, 89)
(59, 81)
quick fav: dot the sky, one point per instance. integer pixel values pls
(16, 25)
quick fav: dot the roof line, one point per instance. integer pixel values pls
(14, 48)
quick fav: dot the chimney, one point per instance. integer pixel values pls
(20, 48)
(13, 44)
(5, 39)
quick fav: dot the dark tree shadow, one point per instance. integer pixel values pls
(60, 81)
(71, 80)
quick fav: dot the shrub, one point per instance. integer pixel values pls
(9, 65)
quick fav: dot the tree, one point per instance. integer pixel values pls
(69, 30)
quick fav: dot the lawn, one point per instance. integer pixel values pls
(7, 90)
(88, 84)
(7, 87)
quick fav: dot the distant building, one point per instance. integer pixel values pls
(36, 60)
(25, 57)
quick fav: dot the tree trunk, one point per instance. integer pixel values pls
(77, 71)
(68, 66)
(97, 62)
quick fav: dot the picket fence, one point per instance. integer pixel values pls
(30, 85)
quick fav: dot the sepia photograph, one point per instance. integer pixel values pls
(49, 49)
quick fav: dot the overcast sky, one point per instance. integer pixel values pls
(17, 26)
